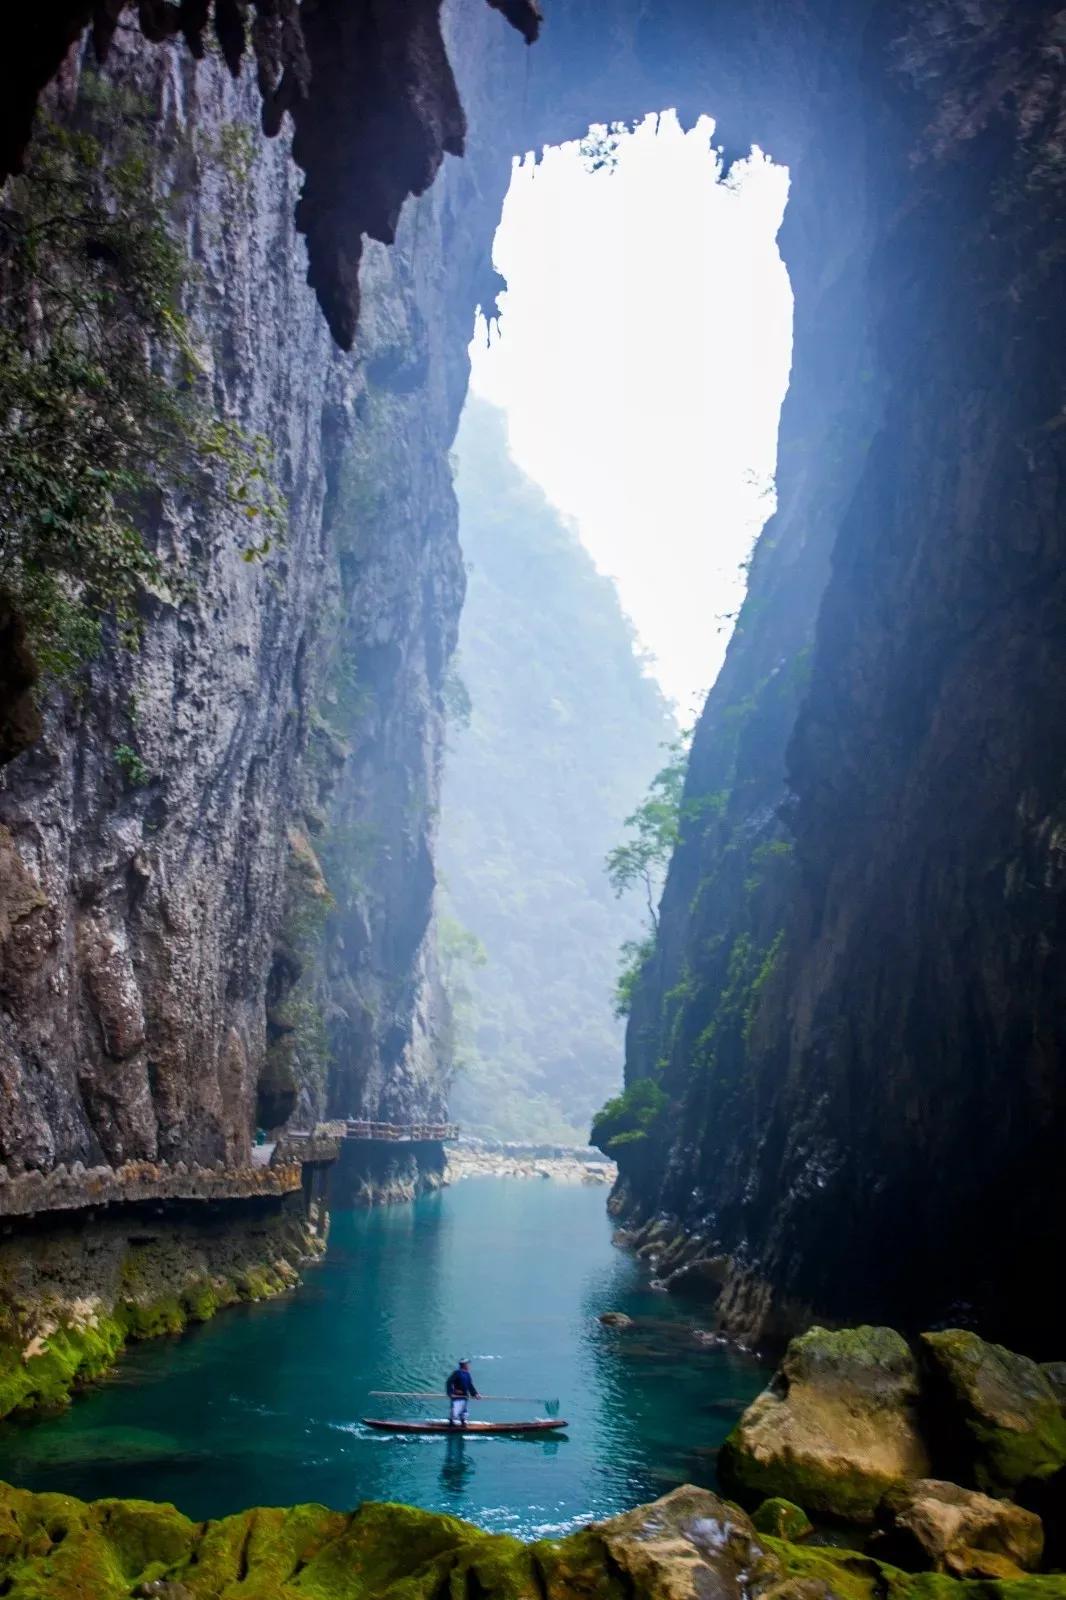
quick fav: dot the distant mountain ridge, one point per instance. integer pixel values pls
(565, 730)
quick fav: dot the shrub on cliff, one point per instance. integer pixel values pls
(101, 403)
(629, 1117)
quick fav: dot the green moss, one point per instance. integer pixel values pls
(70, 1356)
(260, 1549)
(260, 1283)
(143, 1534)
(999, 1408)
(781, 1517)
(390, 1548)
(863, 1354)
(53, 1547)
(73, 1356)
(52, 1551)
(201, 1300)
(577, 1568)
(153, 1318)
(847, 1575)
(839, 1491)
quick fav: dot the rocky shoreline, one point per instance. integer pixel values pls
(90, 1285)
(477, 1158)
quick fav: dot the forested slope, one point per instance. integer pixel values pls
(565, 729)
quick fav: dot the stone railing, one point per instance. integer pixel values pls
(321, 1146)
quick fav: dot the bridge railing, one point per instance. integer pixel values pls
(390, 1132)
(408, 1132)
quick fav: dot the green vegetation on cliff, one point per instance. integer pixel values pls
(104, 399)
(563, 732)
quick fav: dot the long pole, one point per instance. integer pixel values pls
(436, 1394)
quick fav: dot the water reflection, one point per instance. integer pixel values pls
(458, 1466)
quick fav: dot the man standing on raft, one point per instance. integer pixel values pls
(460, 1391)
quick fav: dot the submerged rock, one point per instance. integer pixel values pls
(940, 1526)
(996, 1411)
(615, 1319)
(835, 1430)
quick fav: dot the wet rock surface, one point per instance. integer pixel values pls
(863, 920)
(370, 1174)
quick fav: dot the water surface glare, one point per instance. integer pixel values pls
(262, 1406)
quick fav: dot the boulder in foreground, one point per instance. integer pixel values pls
(837, 1428)
(1000, 1421)
(690, 1545)
(939, 1526)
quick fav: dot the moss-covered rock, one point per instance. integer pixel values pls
(70, 1299)
(40, 1374)
(691, 1545)
(783, 1519)
(998, 1419)
(835, 1430)
(1055, 1373)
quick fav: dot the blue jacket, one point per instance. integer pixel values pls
(460, 1383)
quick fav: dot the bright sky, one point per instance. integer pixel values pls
(645, 344)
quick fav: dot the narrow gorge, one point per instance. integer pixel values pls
(242, 248)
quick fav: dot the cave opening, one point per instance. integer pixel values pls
(640, 352)
(614, 467)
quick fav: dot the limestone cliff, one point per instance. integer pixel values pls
(855, 1007)
(161, 920)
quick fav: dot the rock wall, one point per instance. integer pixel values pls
(373, 1174)
(162, 972)
(140, 910)
(855, 1006)
(89, 1283)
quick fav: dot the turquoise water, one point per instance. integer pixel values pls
(262, 1405)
